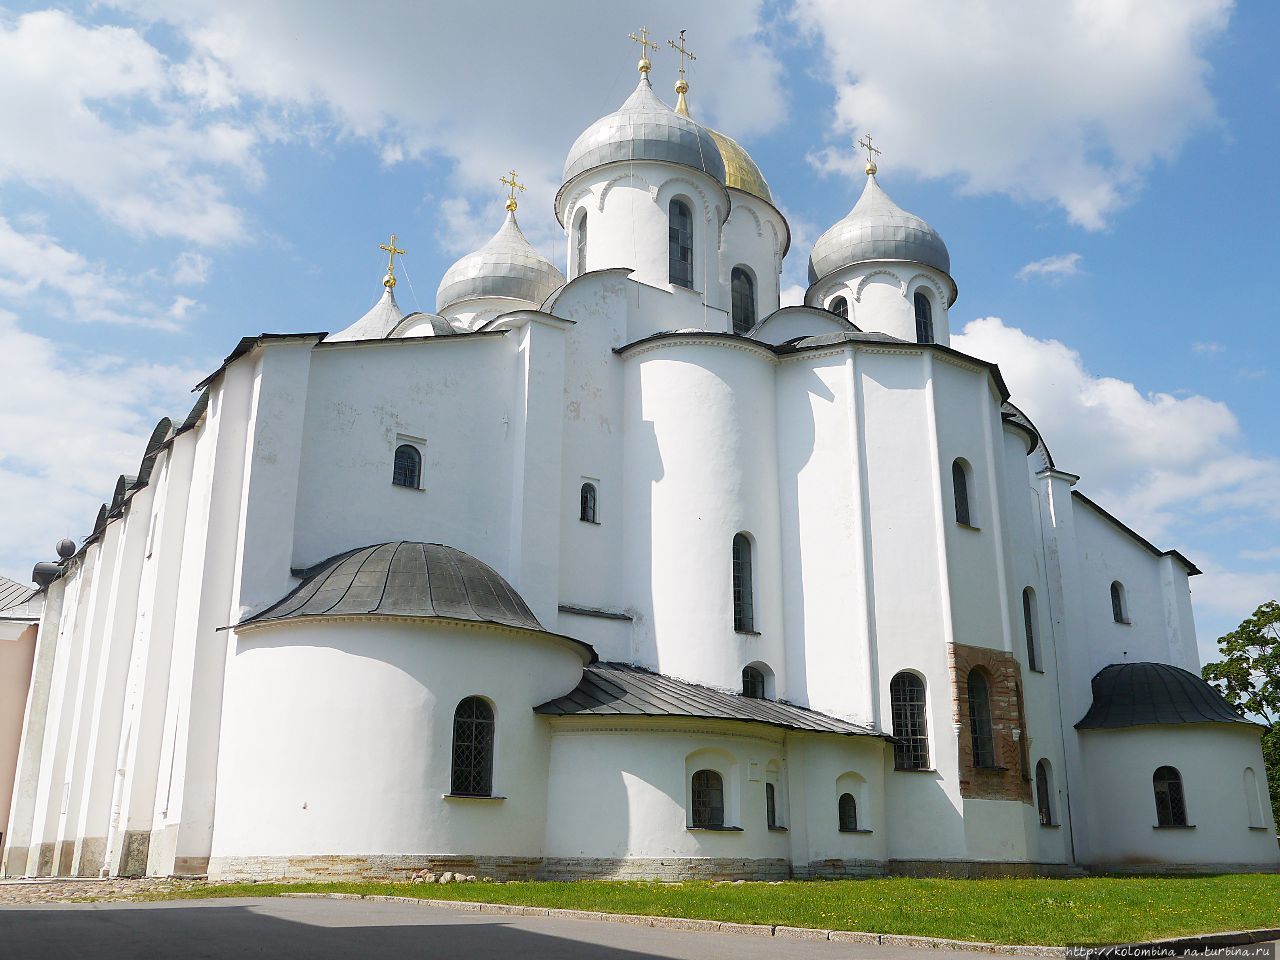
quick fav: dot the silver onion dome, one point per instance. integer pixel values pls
(877, 229)
(506, 266)
(378, 323)
(645, 128)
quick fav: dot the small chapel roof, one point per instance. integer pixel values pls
(1135, 694)
(622, 689)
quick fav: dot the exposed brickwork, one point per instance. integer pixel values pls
(1010, 779)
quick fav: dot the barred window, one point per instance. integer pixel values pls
(924, 318)
(1119, 610)
(770, 805)
(473, 729)
(906, 696)
(960, 488)
(1171, 806)
(580, 245)
(407, 469)
(1044, 793)
(1029, 626)
(744, 614)
(840, 307)
(680, 237)
(587, 506)
(743, 295)
(753, 683)
(980, 733)
(708, 799)
(848, 813)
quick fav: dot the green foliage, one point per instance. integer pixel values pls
(1084, 911)
(1248, 675)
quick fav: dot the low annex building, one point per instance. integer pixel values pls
(620, 571)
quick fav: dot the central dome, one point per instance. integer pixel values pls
(645, 128)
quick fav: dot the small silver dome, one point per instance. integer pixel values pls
(645, 128)
(877, 229)
(506, 266)
(377, 324)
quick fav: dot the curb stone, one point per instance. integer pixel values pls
(1173, 945)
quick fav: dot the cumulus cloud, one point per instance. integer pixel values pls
(1055, 268)
(1061, 102)
(72, 421)
(1209, 349)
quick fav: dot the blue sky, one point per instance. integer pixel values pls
(1103, 174)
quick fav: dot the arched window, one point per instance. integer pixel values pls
(1029, 626)
(708, 799)
(407, 470)
(580, 244)
(1044, 793)
(960, 488)
(924, 318)
(1171, 807)
(587, 504)
(840, 307)
(980, 734)
(744, 614)
(906, 696)
(680, 244)
(770, 805)
(743, 295)
(472, 749)
(848, 813)
(753, 683)
(1119, 609)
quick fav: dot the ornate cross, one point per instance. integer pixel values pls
(645, 44)
(872, 153)
(684, 52)
(390, 280)
(513, 185)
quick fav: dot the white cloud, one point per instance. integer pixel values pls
(72, 422)
(1055, 268)
(1272, 553)
(1210, 349)
(792, 296)
(191, 269)
(1065, 102)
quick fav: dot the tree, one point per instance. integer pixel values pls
(1248, 675)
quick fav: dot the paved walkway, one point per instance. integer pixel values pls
(321, 929)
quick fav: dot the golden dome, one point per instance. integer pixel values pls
(740, 171)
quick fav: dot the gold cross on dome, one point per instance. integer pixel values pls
(389, 280)
(872, 153)
(645, 44)
(513, 185)
(684, 52)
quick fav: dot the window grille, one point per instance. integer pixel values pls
(743, 295)
(1044, 799)
(906, 696)
(924, 318)
(580, 246)
(1171, 806)
(473, 729)
(840, 307)
(753, 683)
(587, 507)
(770, 805)
(980, 733)
(680, 237)
(1118, 612)
(407, 469)
(744, 618)
(708, 799)
(848, 813)
(1029, 625)
(960, 487)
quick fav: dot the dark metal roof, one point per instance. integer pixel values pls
(1133, 694)
(621, 689)
(404, 579)
(1192, 569)
(13, 594)
(197, 411)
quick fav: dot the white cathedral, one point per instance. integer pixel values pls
(620, 572)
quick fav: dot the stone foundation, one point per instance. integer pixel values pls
(90, 855)
(664, 868)
(133, 858)
(976, 869)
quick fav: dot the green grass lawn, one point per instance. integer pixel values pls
(1091, 910)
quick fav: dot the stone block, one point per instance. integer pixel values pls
(801, 933)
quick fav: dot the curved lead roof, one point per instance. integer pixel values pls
(877, 229)
(506, 266)
(644, 128)
(404, 579)
(381, 319)
(1134, 694)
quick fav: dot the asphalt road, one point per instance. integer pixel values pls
(319, 929)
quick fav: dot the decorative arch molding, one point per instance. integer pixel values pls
(867, 277)
(614, 181)
(777, 242)
(755, 218)
(924, 280)
(662, 194)
(830, 290)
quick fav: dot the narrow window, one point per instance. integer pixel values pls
(980, 734)
(580, 245)
(753, 683)
(743, 295)
(1119, 611)
(960, 488)
(770, 805)
(680, 237)
(848, 813)
(1029, 626)
(1171, 808)
(708, 799)
(1044, 795)
(911, 749)
(587, 504)
(744, 615)
(1252, 798)
(840, 307)
(924, 318)
(407, 470)
(472, 749)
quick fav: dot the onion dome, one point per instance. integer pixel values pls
(740, 171)
(377, 324)
(507, 266)
(645, 128)
(877, 229)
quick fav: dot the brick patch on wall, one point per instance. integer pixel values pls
(1011, 778)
